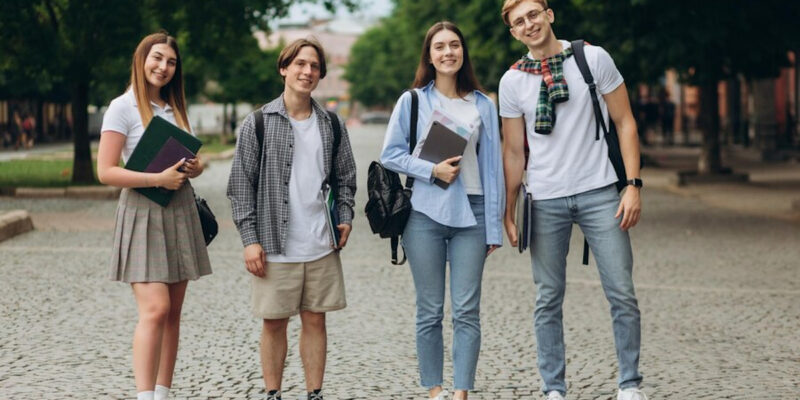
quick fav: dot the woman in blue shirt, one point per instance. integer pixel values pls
(462, 223)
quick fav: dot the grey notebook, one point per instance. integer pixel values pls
(440, 144)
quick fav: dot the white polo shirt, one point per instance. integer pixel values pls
(122, 116)
(569, 160)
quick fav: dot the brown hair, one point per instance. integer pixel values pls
(289, 53)
(510, 4)
(465, 79)
(172, 92)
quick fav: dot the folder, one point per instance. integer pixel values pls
(524, 218)
(440, 144)
(332, 215)
(156, 148)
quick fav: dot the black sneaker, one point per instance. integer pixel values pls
(315, 395)
(274, 395)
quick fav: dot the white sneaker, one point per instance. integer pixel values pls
(441, 396)
(631, 394)
(555, 395)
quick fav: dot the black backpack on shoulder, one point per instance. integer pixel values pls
(389, 203)
(609, 133)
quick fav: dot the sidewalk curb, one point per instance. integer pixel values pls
(13, 223)
(72, 192)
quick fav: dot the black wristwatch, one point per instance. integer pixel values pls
(637, 182)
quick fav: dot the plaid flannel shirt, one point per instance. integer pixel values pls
(261, 214)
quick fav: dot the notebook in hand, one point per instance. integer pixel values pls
(440, 144)
(332, 215)
(524, 218)
(155, 137)
(171, 152)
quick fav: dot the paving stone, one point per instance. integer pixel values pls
(719, 295)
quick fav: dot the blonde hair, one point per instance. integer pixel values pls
(172, 92)
(509, 5)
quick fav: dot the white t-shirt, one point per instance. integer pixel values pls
(465, 110)
(307, 238)
(569, 160)
(122, 116)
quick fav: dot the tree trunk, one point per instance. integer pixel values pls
(709, 162)
(763, 122)
(82, 171)
(735, 110)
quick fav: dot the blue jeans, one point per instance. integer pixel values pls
(428, 246)
(594, 212)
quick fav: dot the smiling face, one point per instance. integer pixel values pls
(530, 24)
(303, 72)
(160, 64)
(446, 53)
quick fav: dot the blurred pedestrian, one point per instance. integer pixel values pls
(572, 181)
(277, 190)
(157, 250)
(461, 223)
(29, 129)
(666, 113)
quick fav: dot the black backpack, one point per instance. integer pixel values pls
(609, 133)
(389, 203)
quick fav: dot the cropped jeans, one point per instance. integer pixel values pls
(428, 246)
(594, 212)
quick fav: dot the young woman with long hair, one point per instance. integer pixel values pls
(157, 250)
(463, 223)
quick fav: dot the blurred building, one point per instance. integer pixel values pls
(337, 37)
(753, 113)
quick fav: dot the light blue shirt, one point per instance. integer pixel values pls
(449, 206)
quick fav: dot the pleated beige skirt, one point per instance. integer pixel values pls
(158, 244)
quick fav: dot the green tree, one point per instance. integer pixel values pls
(85, 46)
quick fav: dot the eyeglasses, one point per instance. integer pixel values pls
(531, 16)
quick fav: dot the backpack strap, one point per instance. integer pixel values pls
(412, 142)
(580, 59)
(258, 116)
(333, 179)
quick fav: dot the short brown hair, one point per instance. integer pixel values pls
(508, 5)
(289, 53)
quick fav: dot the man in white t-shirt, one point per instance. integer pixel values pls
(276, 190)
(546, 105)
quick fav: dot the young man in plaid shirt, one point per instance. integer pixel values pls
(544, 99)
(275, 188)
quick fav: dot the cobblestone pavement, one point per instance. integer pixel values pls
(719, 293)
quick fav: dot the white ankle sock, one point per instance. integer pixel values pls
(148, 395)
(161, 393)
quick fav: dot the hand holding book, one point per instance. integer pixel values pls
(447, 170)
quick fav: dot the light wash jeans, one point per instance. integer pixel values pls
(594, 212)
(428, 246)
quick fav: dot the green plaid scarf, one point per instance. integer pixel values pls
(554, 86)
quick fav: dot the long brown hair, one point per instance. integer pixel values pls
(172, 92)
(465, 79)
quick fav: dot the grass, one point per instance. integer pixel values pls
(55, 170)
(36, 173)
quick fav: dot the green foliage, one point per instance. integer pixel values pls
(705, 41)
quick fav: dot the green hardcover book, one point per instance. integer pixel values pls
(158, 132)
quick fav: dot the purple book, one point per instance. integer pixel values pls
(171, 152)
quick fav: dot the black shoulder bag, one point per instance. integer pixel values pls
(389, 203)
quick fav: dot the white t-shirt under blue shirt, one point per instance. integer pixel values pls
(569, 160)
(307, 238)
(465, 111)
